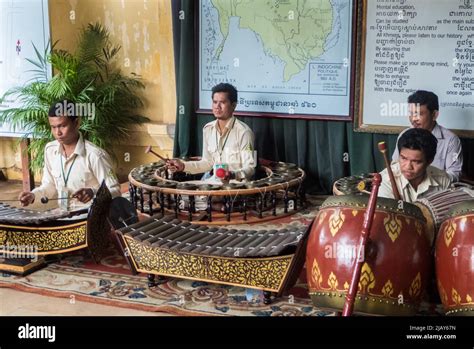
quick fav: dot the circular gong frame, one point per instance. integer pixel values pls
(252, 200)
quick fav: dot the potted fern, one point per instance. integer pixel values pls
(89, 76)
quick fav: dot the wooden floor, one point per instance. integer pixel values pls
(17, 303)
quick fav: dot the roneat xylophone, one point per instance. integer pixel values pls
(277, 191)
(21, 216)
(53, 232)
(269, 260)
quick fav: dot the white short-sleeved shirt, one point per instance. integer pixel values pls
(91, 166)
(235, 147)
(435, 180)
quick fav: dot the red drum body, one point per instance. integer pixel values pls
(396, 260)
(455, 260)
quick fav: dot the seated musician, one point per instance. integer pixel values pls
(72, 166)
(414, 176)
(226, 141)
(424, 110)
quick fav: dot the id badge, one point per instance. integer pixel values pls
(64, 201)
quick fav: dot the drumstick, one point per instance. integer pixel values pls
(383, 150)
(148, 150)
(363, 242)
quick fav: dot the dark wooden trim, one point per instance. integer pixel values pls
(27, 174)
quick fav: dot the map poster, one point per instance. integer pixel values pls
(287, 58)
(22, 24)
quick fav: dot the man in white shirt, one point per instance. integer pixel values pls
(226, 141)
(72, 166)
(414, 176)
(424, 110)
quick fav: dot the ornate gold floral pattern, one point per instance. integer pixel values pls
(266, 273)
(316, 274)
(336, 221)
(442, 293)
(415, 287)
(393, 226)
(332, 282)
(455, 296)
(52, 239)
(449, 231)
(387, 289)
(367, 279)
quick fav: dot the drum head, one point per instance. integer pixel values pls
(122, 213)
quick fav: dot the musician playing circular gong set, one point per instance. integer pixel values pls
(227, 142)
(73, 167)
(414, 176)
(424, 110)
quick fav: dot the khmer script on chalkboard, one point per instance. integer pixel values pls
(411, 45)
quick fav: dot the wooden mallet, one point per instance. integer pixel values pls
(149, 150)
(383, 150)
(44, 200)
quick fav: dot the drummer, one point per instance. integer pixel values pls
(73, 167)
(414, 176)
(424, 110)
(228, 143)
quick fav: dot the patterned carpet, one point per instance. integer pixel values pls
(111, 283)
(179, 297)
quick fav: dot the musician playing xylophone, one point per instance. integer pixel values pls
(73, 167)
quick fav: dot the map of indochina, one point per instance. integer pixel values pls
(287, 20)
(282, 55)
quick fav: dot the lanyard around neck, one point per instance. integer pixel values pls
(225, 140)
(66, 178)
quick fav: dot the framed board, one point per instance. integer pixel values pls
(22, 23)
(289, 58)
(409, 45)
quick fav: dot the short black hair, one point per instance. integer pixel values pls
(419, 139)
(427, 98)
(63, 107)
(228, 88)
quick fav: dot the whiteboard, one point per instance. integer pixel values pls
(22, 22)
(410, 45)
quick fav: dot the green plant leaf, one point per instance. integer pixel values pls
(88, 75)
